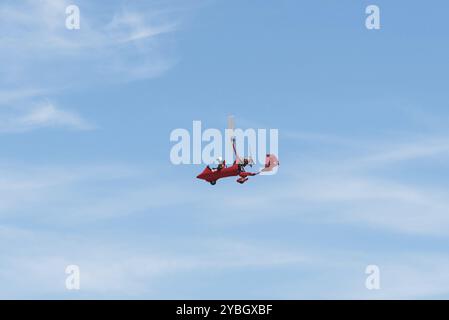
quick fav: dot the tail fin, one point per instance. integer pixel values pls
(271, 163)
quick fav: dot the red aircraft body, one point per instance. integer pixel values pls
(212, 175)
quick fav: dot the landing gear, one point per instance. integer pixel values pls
(242, 180)
(213, 183)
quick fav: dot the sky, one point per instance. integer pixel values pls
(85, 171)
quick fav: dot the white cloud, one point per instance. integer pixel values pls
(67, 197)
(360, 189)
(139, 266)
(408, 277)
(43, 192)
(116, 43)
(130, 26)
(410, 151)
(36, 45)
(342, 189)
(376, 202)
(49, 116)
(338, 190)
(43, 116)
(112, 267)
(374, 185)
(10, 96)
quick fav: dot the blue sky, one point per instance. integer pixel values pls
(85, 176)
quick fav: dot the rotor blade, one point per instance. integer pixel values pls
(231, 122)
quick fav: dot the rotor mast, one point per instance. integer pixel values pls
(231, 127)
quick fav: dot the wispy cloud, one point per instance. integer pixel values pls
(39, 48)
(125, 268)
(30, 190)
(123, 43)
(409, 151)
(64, 197)
(343, 189)
(379, 184)
(128, 26)
(140, 266)
(8, 97)
(41, 116)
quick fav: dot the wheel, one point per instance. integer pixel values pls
(213, 183)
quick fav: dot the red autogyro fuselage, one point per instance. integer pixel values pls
(212, 175)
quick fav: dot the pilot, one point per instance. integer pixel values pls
(221, 163)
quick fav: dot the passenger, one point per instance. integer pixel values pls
(243, 164)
